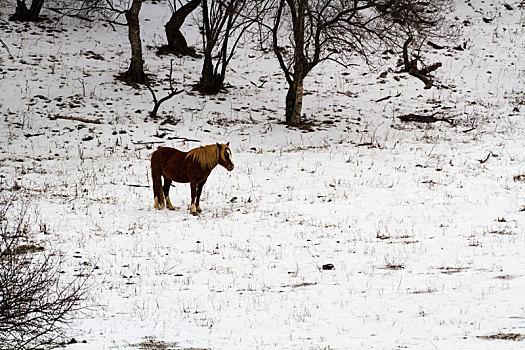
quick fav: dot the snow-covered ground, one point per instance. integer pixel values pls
(423, 223)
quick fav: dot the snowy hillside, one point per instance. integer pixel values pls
(424, 224)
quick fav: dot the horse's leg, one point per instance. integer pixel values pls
(199, 191)
(166, 190)
(159, 199)
(193, 186)
(156, 176)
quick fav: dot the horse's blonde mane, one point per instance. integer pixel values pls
(206, 156)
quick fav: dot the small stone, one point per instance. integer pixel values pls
(328, 266)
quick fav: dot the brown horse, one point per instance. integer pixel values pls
(194, 167)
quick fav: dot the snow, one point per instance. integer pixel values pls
(424, 224)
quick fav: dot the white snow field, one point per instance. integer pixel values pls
(423, 223)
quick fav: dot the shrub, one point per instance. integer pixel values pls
(35, 301)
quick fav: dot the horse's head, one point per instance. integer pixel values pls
(225, 156)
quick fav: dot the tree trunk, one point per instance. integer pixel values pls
(294, 103)
(210, 82)
(22, 13)
(294, 97)
(406, 61)
(176, 41)
(290, 104)
(298, 105)
(135, 73)
(36, 7)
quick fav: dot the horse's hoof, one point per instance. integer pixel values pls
(199, 210)
(168, 204)
(158, 205)
(193, 211)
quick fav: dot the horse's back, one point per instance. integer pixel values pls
(171, 163)
(164, 153)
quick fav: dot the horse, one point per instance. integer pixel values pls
(194, 167)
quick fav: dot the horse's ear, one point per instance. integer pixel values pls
(219, 145)
(228, 144)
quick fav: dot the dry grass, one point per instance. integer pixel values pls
(451, 270)
(393, 266)
(27, 249)
(503, 336)
(150, 343)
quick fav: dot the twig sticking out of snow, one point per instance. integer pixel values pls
(482, 161)
(7, 49)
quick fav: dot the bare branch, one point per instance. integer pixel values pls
(35, 301)
(157, 103)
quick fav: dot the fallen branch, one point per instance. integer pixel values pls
(78, 119)
(435, 46)
(183, 139)
(423, 118)
(364, 144)
(33, 135)
(146, 142)
(258, 86)
(387, 98)
(384, 98)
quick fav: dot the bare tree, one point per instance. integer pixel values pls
(224, 22)
(35, 300)
(177, 43)
(111, 11)
(23, 13)
(320, 30)
(135, 72)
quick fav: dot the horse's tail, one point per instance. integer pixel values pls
(156, 177)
